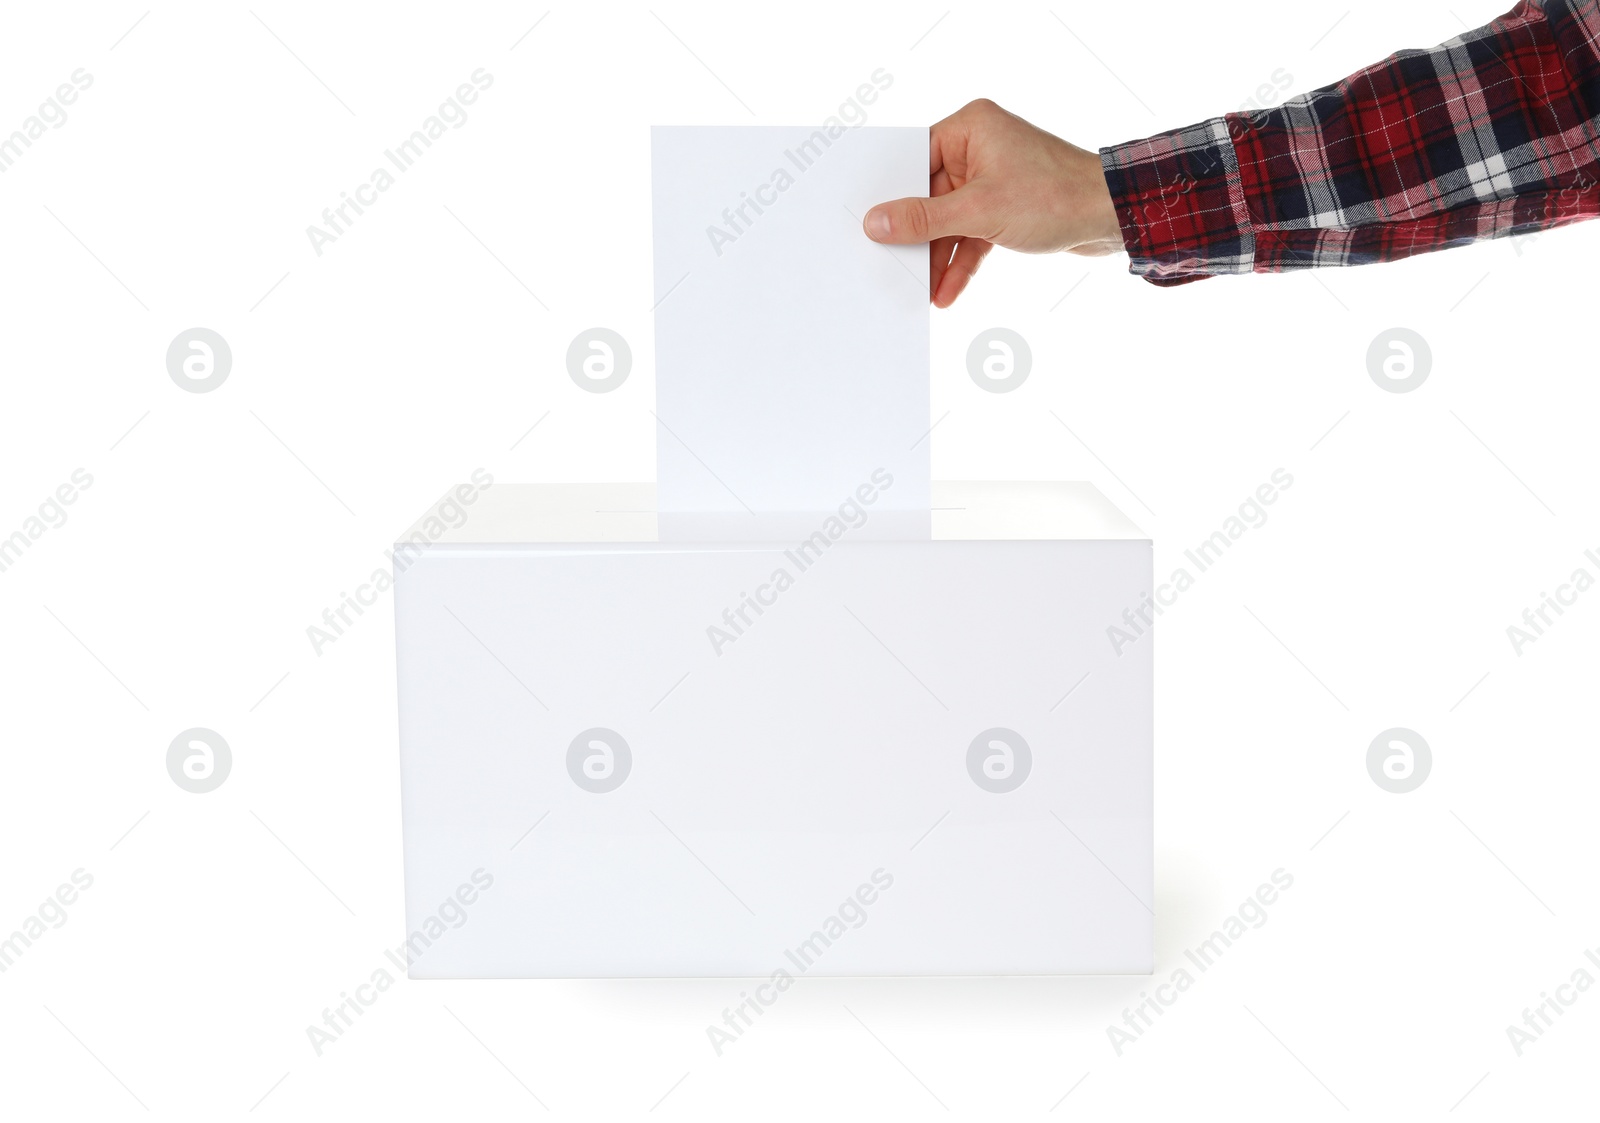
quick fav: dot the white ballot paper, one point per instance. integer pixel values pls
(791, 351)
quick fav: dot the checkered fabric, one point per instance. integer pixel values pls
(1492, 133)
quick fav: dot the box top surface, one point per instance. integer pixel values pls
(508, 514)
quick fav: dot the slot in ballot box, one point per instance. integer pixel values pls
(850, 742)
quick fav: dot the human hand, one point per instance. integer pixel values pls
(995, 180)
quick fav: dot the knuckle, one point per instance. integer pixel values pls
(915, 216)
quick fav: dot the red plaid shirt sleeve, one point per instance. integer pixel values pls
(1495, 132)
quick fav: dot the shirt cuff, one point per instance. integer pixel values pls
(1181, 204)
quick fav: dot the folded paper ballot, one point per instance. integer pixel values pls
(791, 351)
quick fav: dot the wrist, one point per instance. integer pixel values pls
(1104, 224)
(1097, 228)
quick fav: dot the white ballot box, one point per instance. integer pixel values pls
(860, 741)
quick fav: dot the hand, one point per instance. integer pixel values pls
(996, 180)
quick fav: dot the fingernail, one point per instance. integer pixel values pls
(877, 224)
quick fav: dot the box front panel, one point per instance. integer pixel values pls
(881, 758)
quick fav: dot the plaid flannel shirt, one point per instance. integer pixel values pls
(1495, 132)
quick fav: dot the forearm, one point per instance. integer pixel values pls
(1492, 133)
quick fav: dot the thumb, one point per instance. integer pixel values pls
(905, 222)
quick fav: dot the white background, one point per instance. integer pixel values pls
(414, 350)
